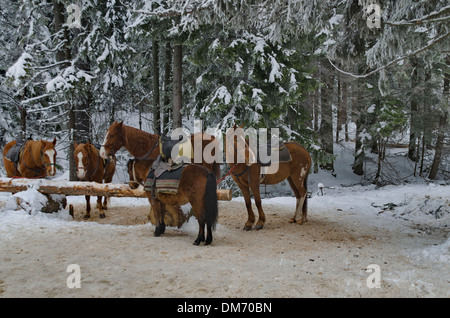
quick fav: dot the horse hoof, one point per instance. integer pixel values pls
(86, 217)
(291, 220)
(300, 222)
(196, 243)
(102, 216)
(247, 228)
(259, 227)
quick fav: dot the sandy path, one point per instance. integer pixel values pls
(326, 257)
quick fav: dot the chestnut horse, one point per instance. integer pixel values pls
(36, 159)
(247, 177)
(91, 167)
(143, 145)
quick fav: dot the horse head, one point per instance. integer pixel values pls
(138, 170)
(49, 156)
(82, 159)
(113, 140)
(133, 183)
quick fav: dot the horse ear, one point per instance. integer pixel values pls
(241, 126)
(54, 141)
(75, 145)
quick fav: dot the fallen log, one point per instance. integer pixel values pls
(83, 188)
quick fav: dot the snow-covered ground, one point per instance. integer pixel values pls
(402, 229)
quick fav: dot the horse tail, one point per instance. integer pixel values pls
(210, 201)
(305, 185)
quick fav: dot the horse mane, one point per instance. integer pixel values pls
(142, 141)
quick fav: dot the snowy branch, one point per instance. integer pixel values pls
(432, 17)
(435, 41)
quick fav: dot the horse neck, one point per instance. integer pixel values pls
(35, 149)
(138, 142)
(94, 161)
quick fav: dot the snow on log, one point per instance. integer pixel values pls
(83, 188)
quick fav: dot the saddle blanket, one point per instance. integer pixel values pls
(166, 181)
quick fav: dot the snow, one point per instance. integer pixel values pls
(18, 71)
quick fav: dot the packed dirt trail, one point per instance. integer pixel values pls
(118, 256)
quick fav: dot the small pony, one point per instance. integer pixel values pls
(197, 185)
(32, 159)
(138, 170)
(91, 167)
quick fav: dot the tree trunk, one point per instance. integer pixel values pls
(358, 164)
(326, 124)
(177, 85)
(167, 81)
(63, 54)
(442, 127)
(156, 105)
(414, 121)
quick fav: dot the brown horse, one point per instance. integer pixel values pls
(138, 170)
(36, 159)
(91, 167)
(198, 187)
(143, 145)
(247, 176)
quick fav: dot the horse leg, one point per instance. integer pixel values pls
(248, 204)
(160, 227)
(297, 196)
(100, 207)
(200, 215)
(300, 191)
(105, 203)
(88, 207)
(261, 216)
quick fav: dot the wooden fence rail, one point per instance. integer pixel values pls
(82, 188)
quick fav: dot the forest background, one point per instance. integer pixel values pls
(311, 68)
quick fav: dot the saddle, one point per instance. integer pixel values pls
(14, 153)
(283, 155)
